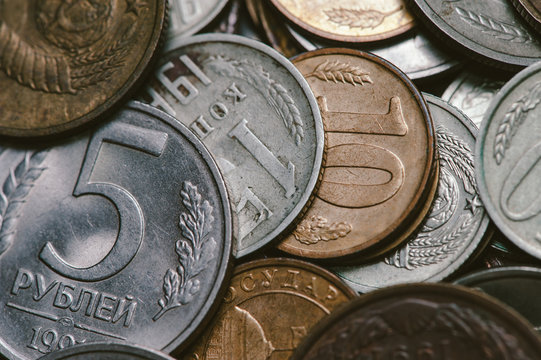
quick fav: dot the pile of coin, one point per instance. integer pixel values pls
(270, 179)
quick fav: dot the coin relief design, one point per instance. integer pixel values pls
(369, 170)
(259, 317)
(347, 20)
(90, 252)
(255, 112)
(70, 61)
(189, 16)
(455, 225)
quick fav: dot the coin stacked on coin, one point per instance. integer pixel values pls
(269, 179)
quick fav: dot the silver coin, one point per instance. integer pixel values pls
(120, 235)
(106, 351)
(186, 17)
(507, 157)
(259, 118)
(456, 222)
(472, 94)
(415, 54)
(489, 31)
(517, 286)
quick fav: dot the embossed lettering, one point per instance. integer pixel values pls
(64, 297)
(42, 289)
(298, 333)
(291, 280)
(24, 280)
(284, 176)
(218, 111)
(234, 93)
(106, 304)
(159, 102)
(201, 127)
(332, 293)
(247, 283)
(92, 296)
(184, 11)
(309, 289)
(127, 311)
(263, 213)
(181, 88)
(269, 276)
(230, 295)
(49, 340)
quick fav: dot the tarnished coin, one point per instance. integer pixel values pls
(64, 63)
(507, 156)
(106, 351)
(257, 115)
(488, 31)
(455, 225)
(530, 11)
(414, 54)
(348, 20)
(186, 17)
(519, 287)
(472, 94)
(269, 308)
(379, 156)
(120, 235)
(422, 321)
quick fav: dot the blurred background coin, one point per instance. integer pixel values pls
(530, 10)
(122, 234)
(269, 308)
(64, 63)
(186, 17)
(258, 117)
(106, 351)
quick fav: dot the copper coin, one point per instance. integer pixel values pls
(530, 11)
(348, 20)
(270, 306)
(422, 321)
(380, 156)
(66, 62)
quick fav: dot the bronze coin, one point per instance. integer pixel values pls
(380, 166)
(66, 62)
(270, 306)
(348, 20)
(422, 321)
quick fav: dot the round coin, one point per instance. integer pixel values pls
(106, 351)
(455, 225)
(518, 287)
(270, 306)
(348, 20)
(186, 17)
(488, 31)
(120, 235)
(507, 156)
(422, 321)
(379, 156)
(66, 63)
(257, 115)
(530, 11)
(472, 94)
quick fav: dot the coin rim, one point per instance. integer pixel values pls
(92, 349)
(490, 305)
(201, 24)
(529, 13)
(129, 84)
(500, 223)
(395, 232)
(274, 235)
(498, 273)
(341, 38)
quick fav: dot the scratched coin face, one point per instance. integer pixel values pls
(120, 235)
(379, 156)
(258, 117)
(186, 17)
(269, 308)
(348, 20)
(490, 31)
(67, 62)
(106, 351)
(422, 321)
(507, 156)
(455, 225)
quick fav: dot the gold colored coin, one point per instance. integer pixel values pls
(270, 306)
(348, 20)
(380, 173)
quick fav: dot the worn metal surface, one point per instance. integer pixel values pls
(379, 158)
(189, 16)
(409, 321)
(66, 63)
(121, 235)
(455, 225)
(257, 115)
(507, 155)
